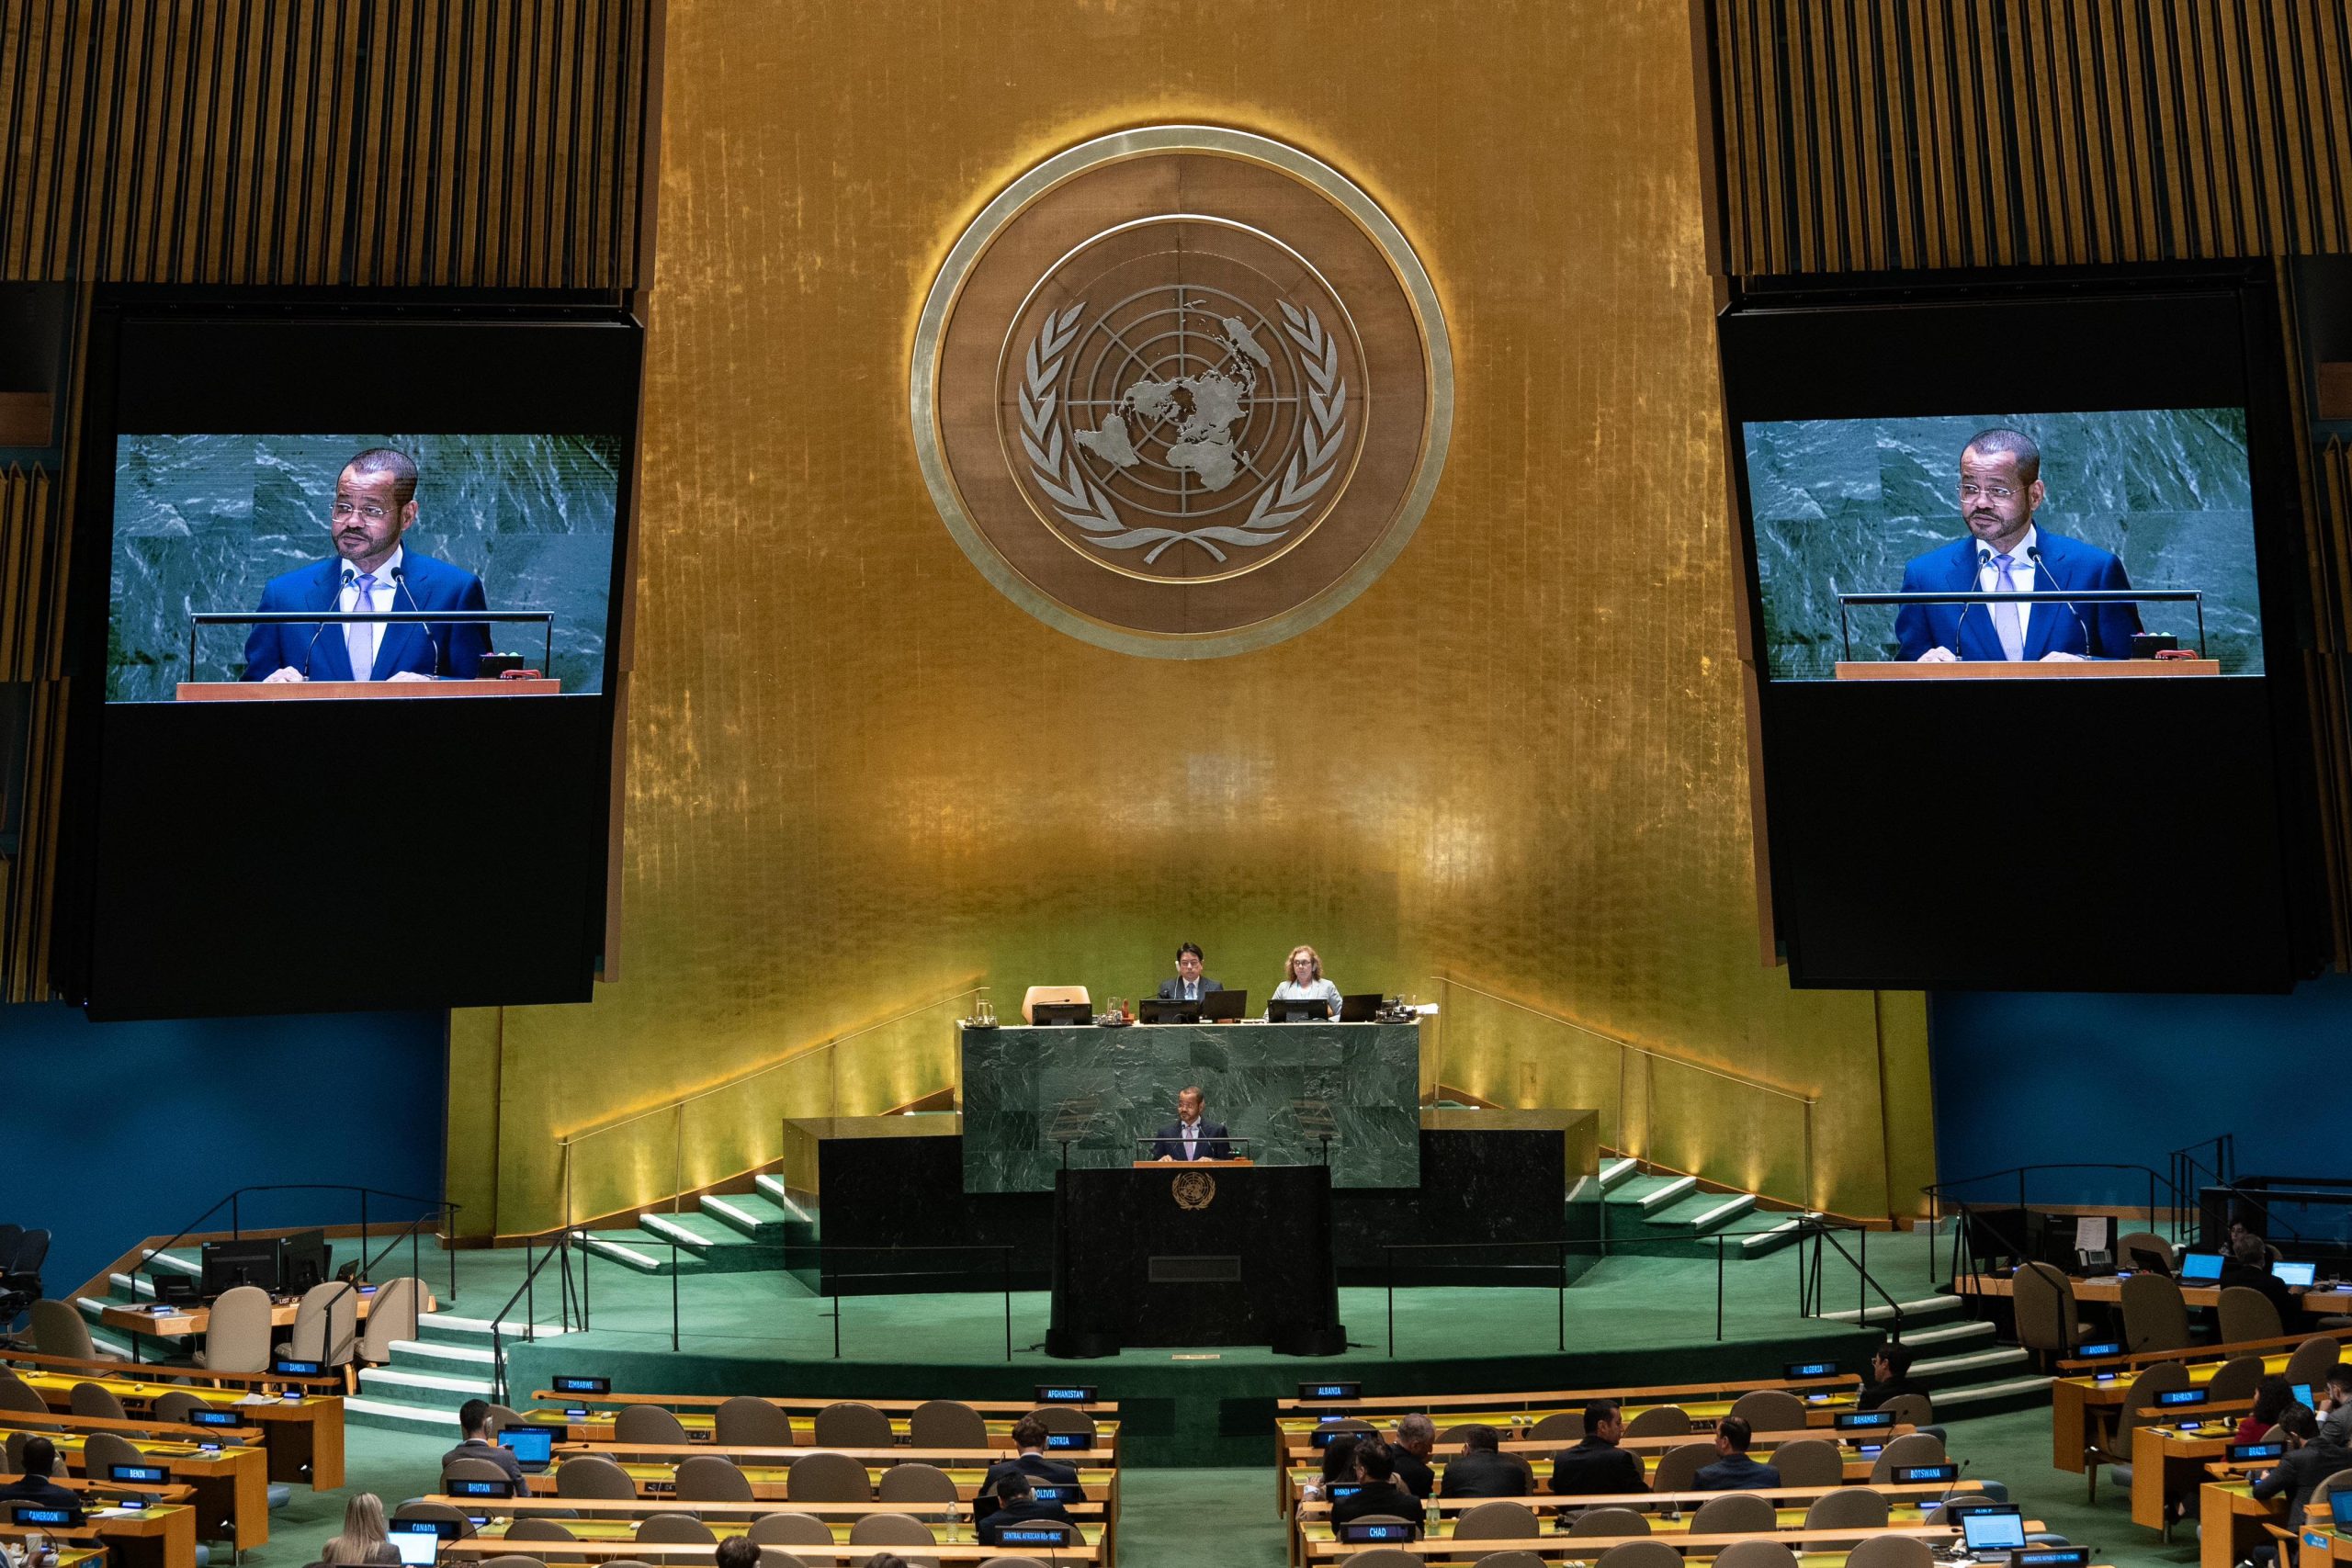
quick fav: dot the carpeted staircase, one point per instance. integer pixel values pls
(1672, 1216)
(724, 1233)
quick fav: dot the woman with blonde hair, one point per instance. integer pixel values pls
(363, 1539)
(1303, 980)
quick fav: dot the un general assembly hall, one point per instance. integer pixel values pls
(1175, 783)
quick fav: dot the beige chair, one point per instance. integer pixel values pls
(1733, 1513)
(1515, 1558)
(2146, 1249)
(58, 1329)
(947, 1423)
(1770, 1410)
(457, 1469)
(710, 1478)
(175, 1406)
(1498, 1520)
(2165, 1377)
(744, 1422)
(1064, 1419)
(2313, 1357)
(1659, 1421)
(790, 1529)
(391, 1318)
(674, 1530)
(439, 1513)
(1759, 1554)
(827, 1478)
(530, 1528)
(1638, 1554)
(2318, 1509)
(893, 1529)
(236, 1340)
(325, 1325)
(1910, 1410)
(511, 1560)
(1847, 1508)
(850, 1424)
(101, 1452)
(499, 1418)
(593, 1478)
(18, 1394)
(95, 1399)
(1809, 1461)
(1912, 1447)
(2042, 1300)
(648, 1425)
(1892, 1551)
(1378, 1557)
(2247, 1314)
(1678, 1466)
(1567, 1426)
(1610, 1521)
(2235, 1379)
(916, 1482)
(2154, 1315)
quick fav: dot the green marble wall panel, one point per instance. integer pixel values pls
(1840, 506)
(1280, 1085)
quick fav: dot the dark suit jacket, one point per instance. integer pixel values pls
(2299, 1472)
(1376, 1499)
(425, 648)
(1593, 1467)
(1210, 1143)
(503, 1458)
(1036, 1467)
(41, 1489)
(2291, 1311)
(1967, 629)
(1478, 1473)
(1171, 990)
(1877, 1394)
(1414, 1471)
(1029, 1511)
(1737, 1473)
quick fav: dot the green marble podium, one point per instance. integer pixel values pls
(1280, 1086)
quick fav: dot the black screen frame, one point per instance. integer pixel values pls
(1870, 876)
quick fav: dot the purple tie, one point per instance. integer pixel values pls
(2006, 623)
(359, 636)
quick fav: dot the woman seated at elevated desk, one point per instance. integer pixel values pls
(1305, 983)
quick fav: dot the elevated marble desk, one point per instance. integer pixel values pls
(1282, 1085)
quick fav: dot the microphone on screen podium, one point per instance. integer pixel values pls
(350, 579)
(2034, 555)
(400, 584)
(1983, 559)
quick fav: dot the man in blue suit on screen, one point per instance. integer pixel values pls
(2000, 490)
(375, 502)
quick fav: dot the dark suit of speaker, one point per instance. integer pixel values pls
(1173, 990)
(1208, 1143)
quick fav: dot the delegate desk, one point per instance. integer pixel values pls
(767, 1470)
(1285, 1088)
(2083, 1407)
(477, 1548)
(160, 1536)
(593, 1427)
(302, 1436)
(2170, 1456)
(1588, 1547)
(948, 1532)
(228, 1487)
(2322, 1545)
(2230, 1519)
(2108, 1290)
(160, 1321)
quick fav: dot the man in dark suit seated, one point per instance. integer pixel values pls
(1029, 1460)
(1416, 1441)
(2248, 1264)
(1383, 1491)
(1734, 1471)
(35, 1485)
(1190, 984)
(1017, 1505)
(1483, 1470)
(1597, 1465)
(1890, 1375)
(2310, 1459)
(473, 1421)
(1190, 1137)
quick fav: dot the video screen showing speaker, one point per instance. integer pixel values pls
(2021, 557)
(500, 546)
(2135, 525)
(350, 564)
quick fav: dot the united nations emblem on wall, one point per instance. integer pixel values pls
(1182, 391)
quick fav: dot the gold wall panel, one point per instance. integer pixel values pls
(858, 776)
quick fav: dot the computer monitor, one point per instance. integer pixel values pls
(2200, 1268)
(1989, 1531)
(565, 1383)
(2302, 1391)
(1310, 1010)
(2303, 1273)
(417, 1547)
(227, 1264)
(2339, 1507)
(529, 1445)
(1224, 1007)
(1362, 1007)
(302, 1262)
(1798, 1372)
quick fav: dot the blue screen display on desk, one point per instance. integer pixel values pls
(1924, 1475)
(2247, 1453)
(531, 1445)
(1850, 1420)
(212, 1418)
(584, 1385)
(2182, 1396)
(2305, 1274)
(1810, 1370)
(265, 521)
(2303, 1392)
(1033, 1535)
(2339, 1504)
(1991, 1531)
(1049, 1394)
(2105, 1348)
(483, 1488)
(1069, 1439)
(2200, 1265)
(141, 1475)
(57, 1518)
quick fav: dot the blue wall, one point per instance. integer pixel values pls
(121, 1131)
(2026, 1079)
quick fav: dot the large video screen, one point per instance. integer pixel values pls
(2136, 500)
(222, 525)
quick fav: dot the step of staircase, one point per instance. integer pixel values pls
(1771, 1237)
(711, 1241)
(1926, 1310)
(1703, 1213)
(772, 1188)
(1616, 1171)
(753, 1215)
(450, 1361)
(641, 1250)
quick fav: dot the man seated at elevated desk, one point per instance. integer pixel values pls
(35, 1485)
(1190, 1137)
(1190, 984)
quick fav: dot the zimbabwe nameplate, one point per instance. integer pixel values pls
(1182, 391)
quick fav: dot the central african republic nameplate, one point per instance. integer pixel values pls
(1182, 391)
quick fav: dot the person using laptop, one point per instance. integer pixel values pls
(473, 1420)
(1191, 1137)
(363, 1539)
(1190, 984)
(2310, 1459)
(2271, 1397)
(35, 1485)
(1303, 980)
(1734, 1470)
(1017, 1503)
(2248, 1264)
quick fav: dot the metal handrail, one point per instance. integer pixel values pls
(439, 1206)
(560, 1241)
(1935, 1193)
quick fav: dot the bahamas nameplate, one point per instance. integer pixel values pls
(1182, 391)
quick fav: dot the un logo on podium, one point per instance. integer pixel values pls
(1194, 1189)
(1182, 391)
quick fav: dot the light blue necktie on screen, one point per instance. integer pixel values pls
(2007, 623)
(359, 635)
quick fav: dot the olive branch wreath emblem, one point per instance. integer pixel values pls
(1085, 506)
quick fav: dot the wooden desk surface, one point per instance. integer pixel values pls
(1702, 1412)
(1011, 1407)
(163, 1537)
(769, 1482)
(1100, 1456)
(704, 1429)
(620, 1511)
(2108, 1288)
(231, 1483)
(1560, 1398)
(693, 1551)
(303, 1437)
(2230, 1522)
(1592, 1546)
(2320, 1548)
(178, 1323)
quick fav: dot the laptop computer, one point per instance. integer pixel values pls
(417, 1547)
(1987, 1536)
(2199, 1268)
(2305, 1274)
(532, 1447)
(1224, 1007)
(2339, 1509)
(1362, 1008)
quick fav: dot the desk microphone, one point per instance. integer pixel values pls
(349, 579)
(1959, 1547)
(1983, 559)
(400, 582)
(2034, 555)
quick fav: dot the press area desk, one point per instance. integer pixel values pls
(303, 1438)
